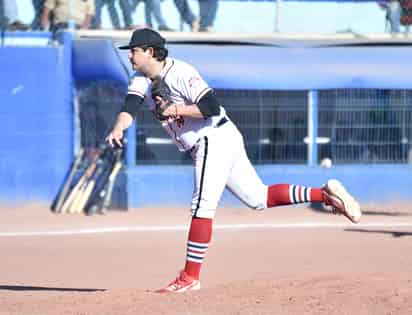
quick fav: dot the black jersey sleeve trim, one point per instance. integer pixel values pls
(208, 105)
(132, 104)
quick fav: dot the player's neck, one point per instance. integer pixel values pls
(156, 69)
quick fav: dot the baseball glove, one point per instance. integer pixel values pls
(161, 97)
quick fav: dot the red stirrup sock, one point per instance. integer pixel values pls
(200, 234)
(285, 194)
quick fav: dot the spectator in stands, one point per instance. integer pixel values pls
(9, 16)
(81, 13)
(37, 7)
(406, 14)
(207, 12)
(3, 20)
(187, 15)
(126, 8)
(153, 7)
(111, 8)
(393, 14)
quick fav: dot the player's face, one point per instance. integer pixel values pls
(138, 58)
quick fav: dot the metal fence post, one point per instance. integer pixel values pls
(312, 128)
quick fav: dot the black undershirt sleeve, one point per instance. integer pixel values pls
(208, 105)
(132, 104)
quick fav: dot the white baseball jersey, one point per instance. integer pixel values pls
(187, 87)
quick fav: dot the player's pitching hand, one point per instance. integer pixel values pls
(172, 112)
(115, 137)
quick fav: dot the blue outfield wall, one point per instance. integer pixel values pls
(155, 186)
(37, 113)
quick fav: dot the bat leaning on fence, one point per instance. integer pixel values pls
(101, 162)
(68, 183)
(75, 194)
(101, 200)
(85, 191)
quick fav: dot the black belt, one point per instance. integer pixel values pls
(221, 122)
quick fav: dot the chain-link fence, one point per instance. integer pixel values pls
(355, 126)
(96, 107)
(366, 126)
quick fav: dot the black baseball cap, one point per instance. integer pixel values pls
(145, 37)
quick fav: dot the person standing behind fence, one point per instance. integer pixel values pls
(10, 17)
(207, 12)
(153, 7)
(125, 7)
(393, 14)
(406, 14)
(111, 8)
(81, 13)
(37, 7)
(187, 16)
(3, 20)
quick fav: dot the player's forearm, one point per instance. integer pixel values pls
(124, 120)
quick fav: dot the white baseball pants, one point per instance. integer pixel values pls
(220, 161)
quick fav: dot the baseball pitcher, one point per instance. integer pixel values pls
(188, 110)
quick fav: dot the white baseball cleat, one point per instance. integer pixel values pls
(341, 201)
(182, 283)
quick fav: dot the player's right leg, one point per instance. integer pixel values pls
(248, 187)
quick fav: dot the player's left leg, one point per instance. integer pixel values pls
(211, 172)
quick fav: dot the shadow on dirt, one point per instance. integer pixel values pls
(34, 288)
(393, 233)
(317, 207)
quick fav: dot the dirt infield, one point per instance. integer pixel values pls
(288, 260)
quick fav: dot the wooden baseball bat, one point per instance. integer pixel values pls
(89, 187)
(103, 195)
(79, 203)
(68, 183)
(99, 192)
(84, 196)
(79, 194)
(68, 205)
(107, 201)
(72, 195)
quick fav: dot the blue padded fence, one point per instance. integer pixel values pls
(37, 113)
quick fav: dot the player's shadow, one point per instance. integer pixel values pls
(317, 207)
(393, 233)
(37, 288)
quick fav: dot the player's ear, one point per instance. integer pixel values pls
(150, 51)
